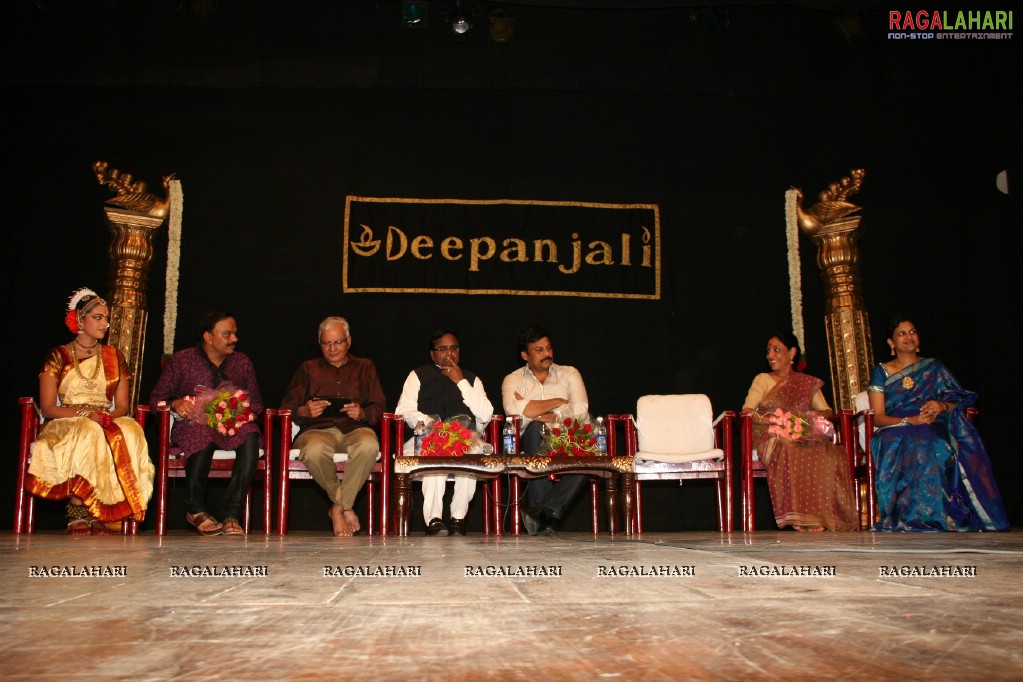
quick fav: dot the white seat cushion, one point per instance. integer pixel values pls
(675, 428)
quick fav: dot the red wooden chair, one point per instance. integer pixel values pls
(491, 497)
(676, 437)
(170, 463)
(293, 469)
(24, 502)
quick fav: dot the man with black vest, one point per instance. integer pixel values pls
(442, 388)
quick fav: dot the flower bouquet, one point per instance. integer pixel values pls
(446, 439)
(224, 408)
(793, 427)
(572, 438)
(787, 425)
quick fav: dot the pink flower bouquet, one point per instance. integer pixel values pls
(787, 425)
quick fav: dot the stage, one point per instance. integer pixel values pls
(575, 606)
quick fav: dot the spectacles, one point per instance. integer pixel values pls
(445, 349)
(328, 344)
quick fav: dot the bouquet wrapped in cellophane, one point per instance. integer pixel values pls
(454, 437)
(571, 438)
(793, 427)
(224, 408)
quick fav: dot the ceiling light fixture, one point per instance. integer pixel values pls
(501, 26)
(413, 14)
(460, 17)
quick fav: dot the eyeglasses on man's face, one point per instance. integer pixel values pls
(335, 344)
(446, 349)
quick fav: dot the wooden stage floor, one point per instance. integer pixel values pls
(663, 606)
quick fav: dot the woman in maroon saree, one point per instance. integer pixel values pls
(808, 475)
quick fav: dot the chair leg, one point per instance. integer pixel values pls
(485, 499)
(402, 510)
(247, 514)
(627, 486)
(638, 495)
(371, 500)
(611, 488)
(495, 510)
(268, 491)
(721, 505)
(515, 492)
(595, 506)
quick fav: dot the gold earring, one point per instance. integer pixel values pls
(893, 350)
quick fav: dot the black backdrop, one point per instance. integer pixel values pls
(271, 113)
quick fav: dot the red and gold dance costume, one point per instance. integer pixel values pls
(108, 466)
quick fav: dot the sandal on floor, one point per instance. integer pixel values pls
(78, 520)
(199, 520)
(232, 527)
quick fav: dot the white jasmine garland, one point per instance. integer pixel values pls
(170, 309)
(795, 273)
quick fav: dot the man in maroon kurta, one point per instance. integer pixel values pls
(210, 364)
(347, 426)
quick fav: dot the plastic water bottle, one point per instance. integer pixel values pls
(600, 433)
(508, 437)
(418, 434)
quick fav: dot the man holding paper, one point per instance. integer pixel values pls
(338, 402)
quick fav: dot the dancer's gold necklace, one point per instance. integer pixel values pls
(90, 382)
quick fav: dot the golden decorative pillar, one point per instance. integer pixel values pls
(134, 221)
(829, 224)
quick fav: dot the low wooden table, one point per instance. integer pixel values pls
(617, 473)
(480, 467)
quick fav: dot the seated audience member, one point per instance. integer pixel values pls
(190, 373)
(933, 472)
(337, 401)
(808, 475)
(543, 392)
(89, 451)
(442, 388)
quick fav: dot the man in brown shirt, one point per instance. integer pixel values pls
(330, 424)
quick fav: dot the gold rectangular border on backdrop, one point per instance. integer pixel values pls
(501, 246)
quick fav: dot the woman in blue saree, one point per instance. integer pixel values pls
(932, 471)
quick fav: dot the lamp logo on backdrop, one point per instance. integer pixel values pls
(502, 246)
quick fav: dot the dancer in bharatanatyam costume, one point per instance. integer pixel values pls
(933, 472)
(89, 451)
(808, 475)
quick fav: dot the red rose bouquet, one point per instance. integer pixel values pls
(224, 408)
(573, 439)
(446, 439)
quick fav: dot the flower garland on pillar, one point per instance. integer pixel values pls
(795, 272)
(170, 309)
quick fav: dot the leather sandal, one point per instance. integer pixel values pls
(197, 521)
(233, 527)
